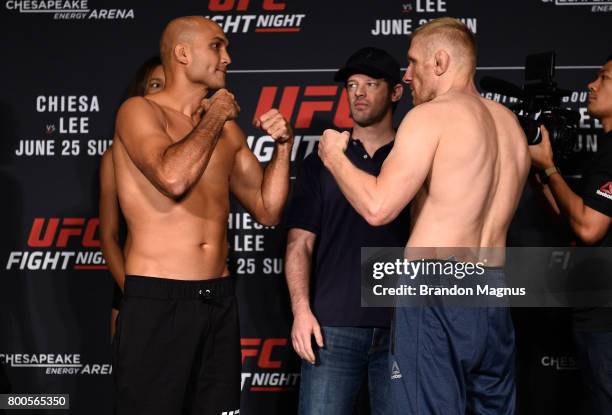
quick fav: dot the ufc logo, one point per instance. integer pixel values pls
(289, 97)
(59, 235)
(265, 351)
(243, 5)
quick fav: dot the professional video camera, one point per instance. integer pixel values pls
(540, 103)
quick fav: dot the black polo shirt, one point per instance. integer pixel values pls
(317, 205)
(597, 194)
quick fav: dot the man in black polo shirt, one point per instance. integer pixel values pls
(323, 254)
(590, 217)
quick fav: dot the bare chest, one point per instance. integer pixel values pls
(214, 181)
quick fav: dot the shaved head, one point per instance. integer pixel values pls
(183, 30)
(194, 50)
(451, 35)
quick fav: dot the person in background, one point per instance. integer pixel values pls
(589, 215)
(149, 79)
(323, 254)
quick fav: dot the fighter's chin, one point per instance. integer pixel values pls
(420, 99)
(217, 84)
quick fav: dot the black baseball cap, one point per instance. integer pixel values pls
(373, 62)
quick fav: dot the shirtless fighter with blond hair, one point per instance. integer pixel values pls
(176, 158)
(462, 160)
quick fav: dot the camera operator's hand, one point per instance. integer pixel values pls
(542, 154)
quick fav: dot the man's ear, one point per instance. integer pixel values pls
(441, 62)
(397, 92)
(182, 53)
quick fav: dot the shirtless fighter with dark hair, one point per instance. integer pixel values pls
(176, 158)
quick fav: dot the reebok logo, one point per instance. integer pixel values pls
(395, 372)
(605, 190)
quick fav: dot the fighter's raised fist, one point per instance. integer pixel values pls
(332, 143)
(275, 125)
(200, 110)
(222, 102)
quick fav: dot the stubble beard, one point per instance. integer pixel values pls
(372, 118)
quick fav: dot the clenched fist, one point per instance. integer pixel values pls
(222, 103)
(332, 144)
(275, 125)
(200, 110)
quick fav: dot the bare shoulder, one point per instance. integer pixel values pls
(500, 110)
(420, 126)
(140, 123)
(453, 106)
(425, 112)
(505, 120)
(510, 129)
(136, 110)
(234, 134)
(437, 115)
(135, 105)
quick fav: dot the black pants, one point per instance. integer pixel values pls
(177, 348)
(594, 352)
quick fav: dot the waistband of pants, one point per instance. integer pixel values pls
(165, 288)
(492, 275)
